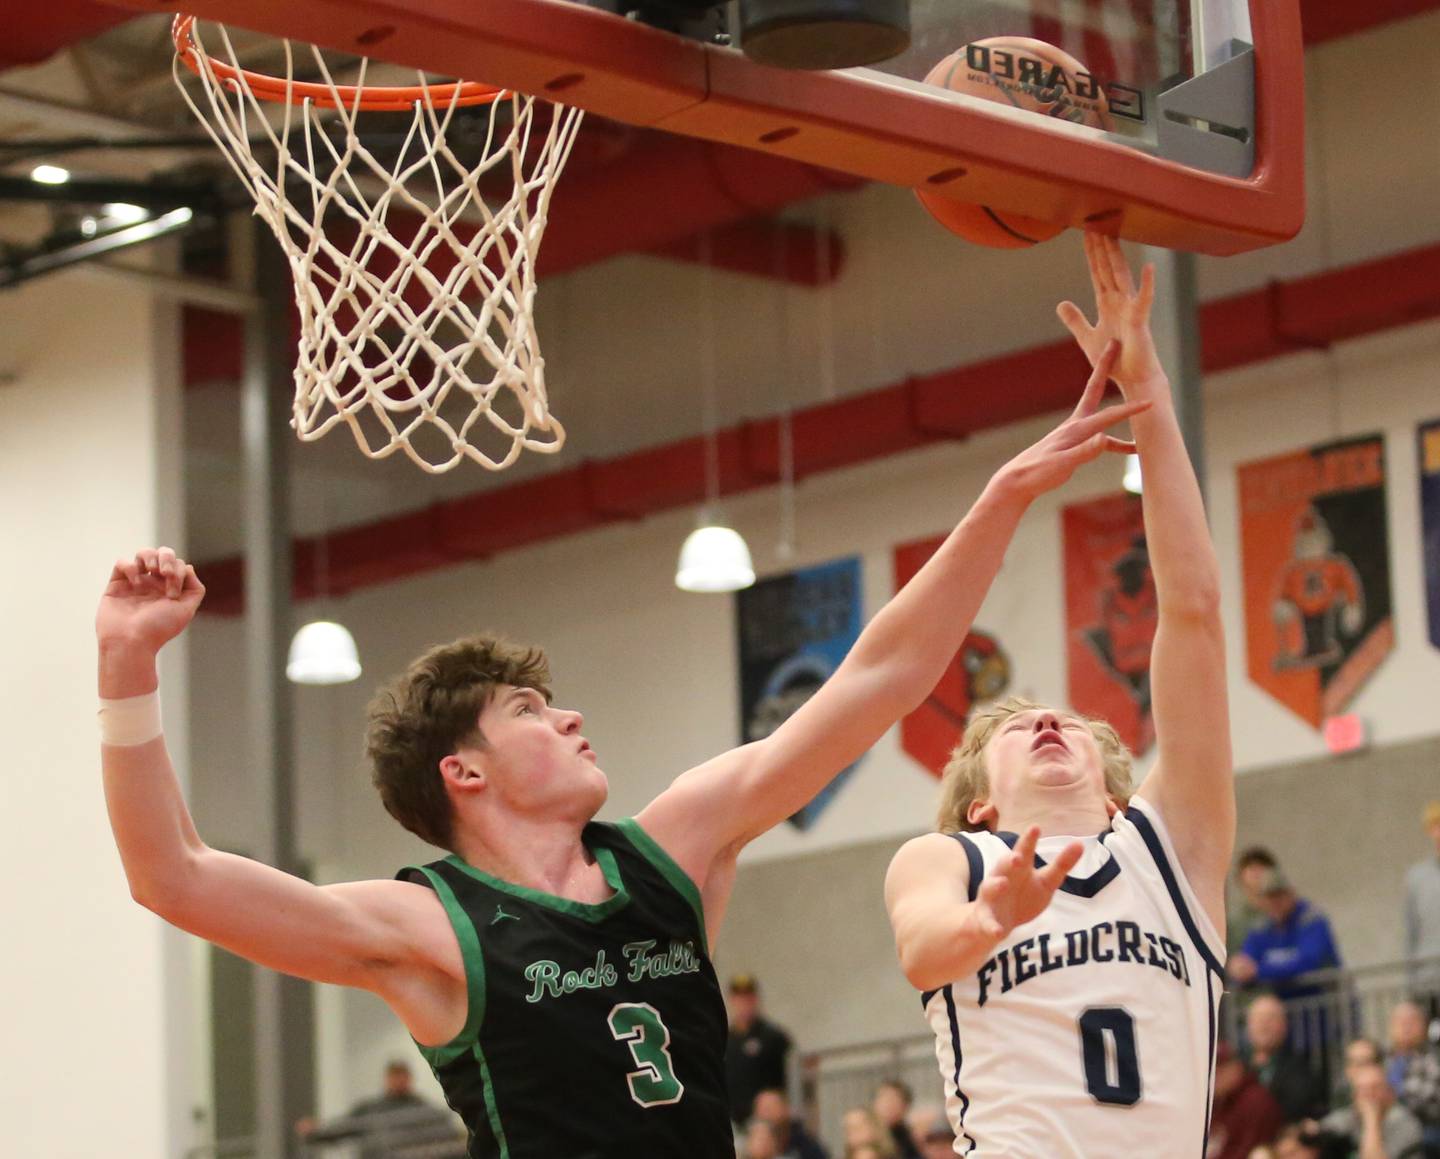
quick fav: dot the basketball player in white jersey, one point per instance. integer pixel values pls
(1068, 938)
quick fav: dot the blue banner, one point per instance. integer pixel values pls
(1429, 455)
(793, 630)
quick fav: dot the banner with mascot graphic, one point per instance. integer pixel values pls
(1110, 615)
(1316, 562)
(792, 631)
(980, 672)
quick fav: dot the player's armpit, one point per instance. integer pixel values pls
(351, 934)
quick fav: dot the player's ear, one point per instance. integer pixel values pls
(462, 772)
(981, 813)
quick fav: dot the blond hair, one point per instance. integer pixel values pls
(965, 780)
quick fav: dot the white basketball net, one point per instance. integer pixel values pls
(429, 328)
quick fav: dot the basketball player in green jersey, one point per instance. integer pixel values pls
(554, 970)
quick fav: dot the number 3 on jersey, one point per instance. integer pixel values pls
(640, 1027)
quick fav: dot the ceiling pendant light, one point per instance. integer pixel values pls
(714, 557)
(323, 652)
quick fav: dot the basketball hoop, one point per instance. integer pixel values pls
(416, 305)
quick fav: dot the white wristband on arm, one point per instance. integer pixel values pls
(135, 720)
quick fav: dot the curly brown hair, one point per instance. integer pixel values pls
(965, 779)
(430, 710)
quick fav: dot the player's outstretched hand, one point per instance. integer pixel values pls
(1017, 892)
(1081, 437)
(148, 600)
(1122, 315)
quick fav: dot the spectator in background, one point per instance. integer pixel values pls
(924, 1118)
(1295, 939)
(1358, 1052)
(760, 1141)
(937, 1142)
(381, 1125)
(757, 1052)
(1413, 1068)
(1244, 1114)
(794, 1141)
(1422, 918)
(1376, 1125)
(1242, 911)
(1296, 1086)
(1306, 1141)
(863, 1129)
(891, 1104)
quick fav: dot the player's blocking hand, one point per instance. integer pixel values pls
(1122, 314)
(1083, 436)
(149, 599)
(1017, 892)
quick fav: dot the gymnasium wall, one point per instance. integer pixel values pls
(97, 1057)
(654, 669)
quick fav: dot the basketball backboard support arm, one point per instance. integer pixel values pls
(854, 121)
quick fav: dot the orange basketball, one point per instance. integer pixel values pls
(1026, 74)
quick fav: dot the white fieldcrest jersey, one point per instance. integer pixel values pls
(1090, 1032)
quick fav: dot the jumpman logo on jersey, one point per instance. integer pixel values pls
(501, 915)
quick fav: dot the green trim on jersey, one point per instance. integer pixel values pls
(650, 849)
(497, 1128)
(474, 959)
(589, 911)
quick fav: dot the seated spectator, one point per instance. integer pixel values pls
(1242, 910)
(864, 1151)
(1244, 1115)
(1297, 1087)
(1358, 1052)
(863, 1129)
(891, 1104)
(1376, 1125)
(936, 1142)
(1307, 1141)
(922, 1119)
(381, 1125)
(1422, 918)
(757, 1050)
(793, 1140)
(1413, 1068)
(1294, 940)
(760, 1141)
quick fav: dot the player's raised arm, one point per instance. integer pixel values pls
(897, 660)
(350, 934)
(1192, 783)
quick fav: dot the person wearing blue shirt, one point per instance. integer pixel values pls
(1294, 940)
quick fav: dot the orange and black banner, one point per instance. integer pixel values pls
(980, 672)
(1316, 558)
(1429, 436)
(1110, 615)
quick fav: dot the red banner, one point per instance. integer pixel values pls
(979, 672)
(1317, 573)
(1110, 615)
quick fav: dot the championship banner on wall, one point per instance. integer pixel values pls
(980, 672)
(793, 630)
(1110, 615)
(1429, 458)
(1316, 559)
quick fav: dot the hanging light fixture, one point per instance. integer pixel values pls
(322, 651)
(1131, 479)
(714, 557)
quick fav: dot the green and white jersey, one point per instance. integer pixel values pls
(595, 1031)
